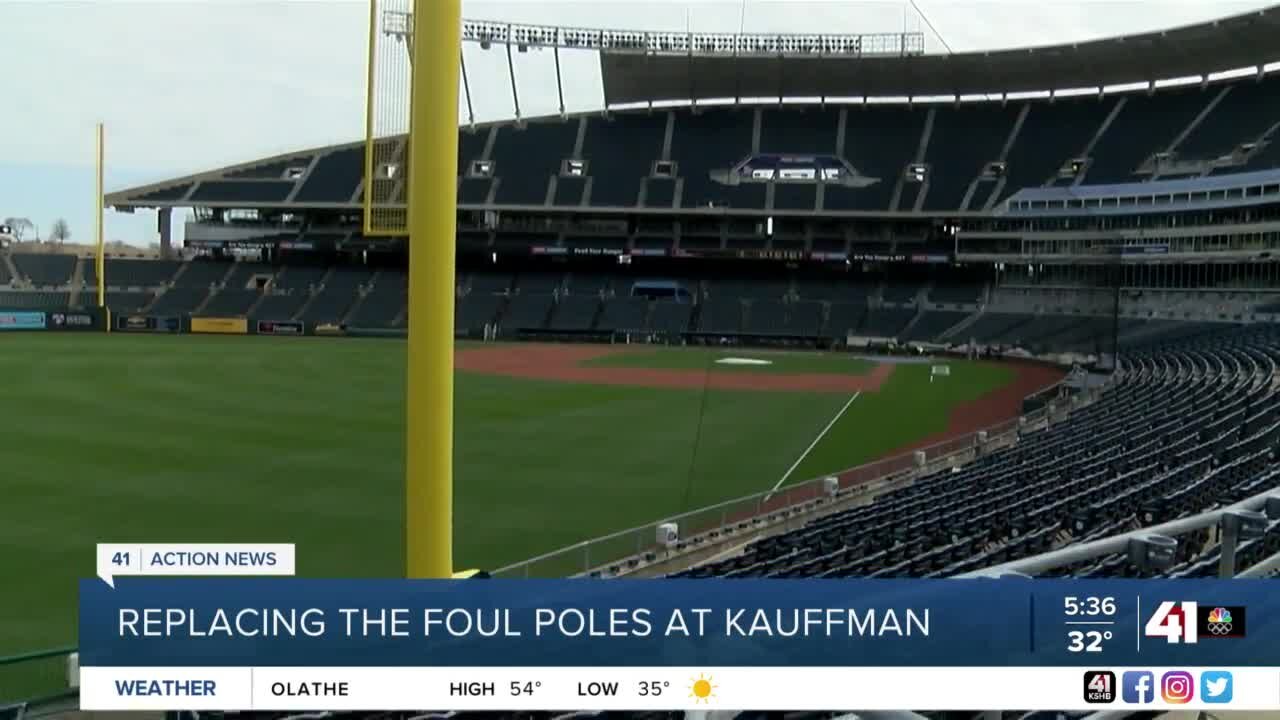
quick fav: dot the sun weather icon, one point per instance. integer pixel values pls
(702, 689)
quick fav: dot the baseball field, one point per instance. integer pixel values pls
(206, 439)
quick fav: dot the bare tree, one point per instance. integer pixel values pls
(19, 227)
(60, 233)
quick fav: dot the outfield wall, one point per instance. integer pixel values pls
(102, 320)
(58, 320)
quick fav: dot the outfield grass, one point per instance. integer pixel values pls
(907, 408)
(206, 439)
(703, 359)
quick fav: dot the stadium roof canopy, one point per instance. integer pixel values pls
(651, 67)
(1239, 41)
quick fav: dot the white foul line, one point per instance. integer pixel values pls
(815, 442)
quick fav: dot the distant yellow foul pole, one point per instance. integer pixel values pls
(432, 200)
(99, 262)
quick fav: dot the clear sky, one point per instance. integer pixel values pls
(190, 86)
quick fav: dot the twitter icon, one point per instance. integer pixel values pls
(1215, 686)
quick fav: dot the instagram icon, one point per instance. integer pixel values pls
(1177, 687)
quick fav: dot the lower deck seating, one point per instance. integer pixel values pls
(231, 302)
(932, 324)
(476, 310)
(575, 312)
(994, 327)
(127, 302)
(382, 306)
(527, 312)
(280, 307)
(178, 301)
(720, 315)
(336, 298)
(1189, 425)
(124, 273)
(624, 314)
(844, 318)
(44, 270)
(886, 322)
(201, 273)
(670, 317)
(13, 300)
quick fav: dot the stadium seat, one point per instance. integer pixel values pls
(45, 270)
(618, 168)
(10, 300)
(1097, 468)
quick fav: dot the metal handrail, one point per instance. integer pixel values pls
(1263, 568)
(1120, 543)
(37, 655)
(745, 499)
(13, 660)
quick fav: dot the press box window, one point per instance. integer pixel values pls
(664, 169)
(481, 169)
(573, 168)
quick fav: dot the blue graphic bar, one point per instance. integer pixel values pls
(733, 623)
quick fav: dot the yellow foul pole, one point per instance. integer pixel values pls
(100, 259)
(432, 200)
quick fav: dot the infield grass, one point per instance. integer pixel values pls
(206, 439)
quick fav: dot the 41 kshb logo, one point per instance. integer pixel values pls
(1189, 622)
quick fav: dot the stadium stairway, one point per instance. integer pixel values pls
(205, 302)
(313, 294)
(362, 294)
(253, 309)
(12, 270)
(958, 329)
(177, 276)
(354, 310)
(915, 320)
(77, 283)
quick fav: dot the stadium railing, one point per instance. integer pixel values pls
(1149, 549)
(716, 529)
(36, 678)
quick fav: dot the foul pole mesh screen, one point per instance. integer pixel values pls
(386, 172)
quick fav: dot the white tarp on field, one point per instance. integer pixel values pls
(743, 361)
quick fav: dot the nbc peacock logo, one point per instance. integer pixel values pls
(1222, 621)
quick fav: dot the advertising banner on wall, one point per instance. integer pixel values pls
(279, 327)
(220, 326)
(74, 320)
(22, 321)
(148, 323)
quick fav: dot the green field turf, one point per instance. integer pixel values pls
(203, 439)
(780, 362)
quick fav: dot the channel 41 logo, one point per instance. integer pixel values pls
(1189, 622)
(1099, 686)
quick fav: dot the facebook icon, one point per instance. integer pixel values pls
(1137, 687)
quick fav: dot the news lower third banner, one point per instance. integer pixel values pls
(298, 644)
